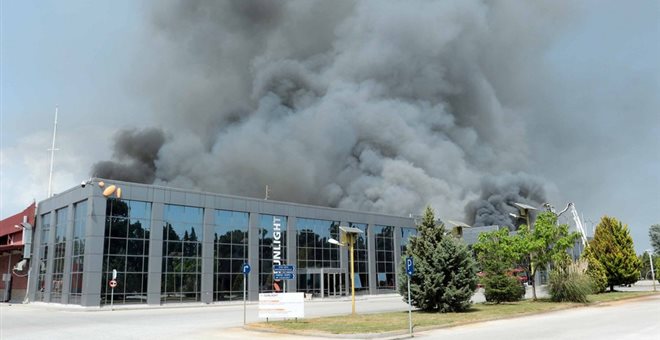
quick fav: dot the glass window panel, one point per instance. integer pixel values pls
(224, 266)
(135, 247)
(174, 249)
(140, 210)
(117, 262)
(134, 264)
(223, 282)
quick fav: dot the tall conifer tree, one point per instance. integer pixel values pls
(445, 274)
(613, 248)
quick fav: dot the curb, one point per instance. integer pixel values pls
(403, 334)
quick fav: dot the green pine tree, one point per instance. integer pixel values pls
(596, 271)
(445, 274)
(613, 248)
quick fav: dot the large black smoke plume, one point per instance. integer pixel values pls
(375, 105)
(135, 153)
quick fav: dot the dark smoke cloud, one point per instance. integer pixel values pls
(135, 153)
(376, 105)
(497, 197)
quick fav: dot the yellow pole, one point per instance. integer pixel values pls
(351, 241)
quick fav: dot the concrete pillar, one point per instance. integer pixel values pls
(253, 256)
(93, 258)
(344, 264)
(397, 256)
(371, 245)
(208, 254)
(292, 251)
(155, 254)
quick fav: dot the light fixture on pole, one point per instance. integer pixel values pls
(27, 254)
(458, 228)
(652, 270)
(348, 235)
(524, 212)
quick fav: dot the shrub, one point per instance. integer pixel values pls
(570, 282)
(502, 288)
(596, 273)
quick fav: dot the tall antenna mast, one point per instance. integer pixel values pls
(52, 156)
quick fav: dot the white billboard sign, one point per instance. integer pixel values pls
(282, 305)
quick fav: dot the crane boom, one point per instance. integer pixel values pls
(578, 224)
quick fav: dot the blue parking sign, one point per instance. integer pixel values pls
(410, 266)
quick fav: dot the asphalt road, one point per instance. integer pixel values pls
(224, 321)
(622, 320)
(42, 321)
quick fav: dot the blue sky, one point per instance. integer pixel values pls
(80, 55)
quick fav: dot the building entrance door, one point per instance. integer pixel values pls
(322, 282)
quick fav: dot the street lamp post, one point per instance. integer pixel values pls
(524, 210)
(652, 270)
(349, 234)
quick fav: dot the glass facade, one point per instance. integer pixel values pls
(58, 256)
(272, 250)
(78, 253)
(384, 238)
(361, 258)
(314, 251)
(126, 249)
(182, 253)
(43, 255)
(230, 252)
(166, 245)
(406, 233)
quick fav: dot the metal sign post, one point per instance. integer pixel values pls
(246, 271)
(410, 269)
(112, 283)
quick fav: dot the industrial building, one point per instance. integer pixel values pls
(170, 246)
(15, 245)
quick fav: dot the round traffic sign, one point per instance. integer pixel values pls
(112, 283)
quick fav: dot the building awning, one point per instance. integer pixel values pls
(8, 248)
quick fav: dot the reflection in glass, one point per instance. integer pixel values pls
(126, 249)
(182, 244)
(384, 237)
(78, 253)
(360, 252)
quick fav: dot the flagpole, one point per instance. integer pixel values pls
(52, 156)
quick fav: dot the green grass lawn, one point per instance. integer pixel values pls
(398, 321)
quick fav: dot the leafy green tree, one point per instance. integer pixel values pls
(654, 236)
(546, 243)
(613, 246)
(445, 274)
(498, 253)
